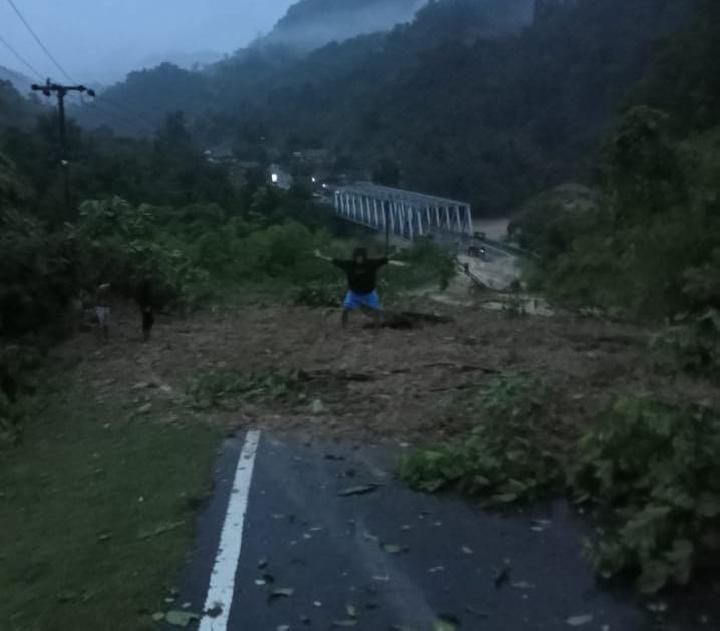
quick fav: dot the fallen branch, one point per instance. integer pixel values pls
(409, 320)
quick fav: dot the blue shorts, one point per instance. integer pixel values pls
(354, 301)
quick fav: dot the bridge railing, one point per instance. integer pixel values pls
(407, 214)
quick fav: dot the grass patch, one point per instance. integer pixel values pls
(97, 513)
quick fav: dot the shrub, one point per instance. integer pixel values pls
(36, 275)
(118, 243)
(650, 470)
(17, 365)
(692, 345)
(513, 452)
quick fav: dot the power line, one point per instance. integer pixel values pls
(52, 58)
(65, 73)
(39, 42)
(20, 58)
(57, 64)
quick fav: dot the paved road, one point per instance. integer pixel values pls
(395, 559)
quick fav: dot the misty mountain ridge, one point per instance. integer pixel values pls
(311, 24)
(19, 81)
(186, 60)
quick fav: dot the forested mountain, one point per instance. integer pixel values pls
(470, 99)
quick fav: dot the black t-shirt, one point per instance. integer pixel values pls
(362, 277)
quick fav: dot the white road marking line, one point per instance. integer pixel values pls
(222, 581)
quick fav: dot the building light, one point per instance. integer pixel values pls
(274, 178)
(314, 180)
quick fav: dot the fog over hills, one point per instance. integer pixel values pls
(313, 23)
(181, 59)
(19, 81)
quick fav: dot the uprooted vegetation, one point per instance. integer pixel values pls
(230, 389)
(511, 452)
(647, 470)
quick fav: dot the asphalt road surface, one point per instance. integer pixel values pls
(290, 541)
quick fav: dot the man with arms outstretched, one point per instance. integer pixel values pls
(361, 274)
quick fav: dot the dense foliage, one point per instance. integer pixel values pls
(166, 170)
(656, 222)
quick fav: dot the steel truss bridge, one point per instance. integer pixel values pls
(408, 215)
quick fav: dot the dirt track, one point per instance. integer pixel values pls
(364, 384)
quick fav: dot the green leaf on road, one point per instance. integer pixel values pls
(446, 622)
(358, 490)
(283, 592)
(579, 621)
(180, 618)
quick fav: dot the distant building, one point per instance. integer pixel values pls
(280, 177)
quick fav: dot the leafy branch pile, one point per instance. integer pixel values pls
(651, 472)
(648, 470)
(513, 451)
(230, 389)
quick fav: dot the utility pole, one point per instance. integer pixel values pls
(61, 91)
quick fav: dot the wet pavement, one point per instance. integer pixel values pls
(332, 541)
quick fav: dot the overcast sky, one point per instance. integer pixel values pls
(99, 40)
